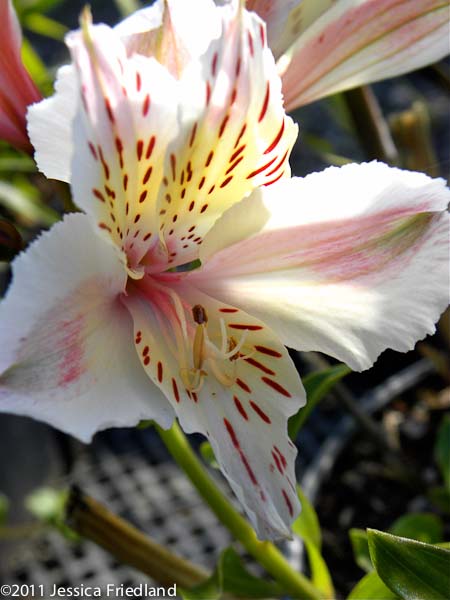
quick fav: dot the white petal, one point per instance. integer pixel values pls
(67, 348)
(50, 126)
(242, 404)
(359, 41)
(350, 261)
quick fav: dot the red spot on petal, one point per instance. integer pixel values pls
(160, 372)
(109, 110)
(98, 194)
(146, 360)
(228, 310)
(214, 64)
(150, 146)
(147, 175)
(138, 82)
(193, 134)
(226, 181)
(143, 196)
(277, 462)
(261, 169)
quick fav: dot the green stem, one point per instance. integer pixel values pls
(264, 552)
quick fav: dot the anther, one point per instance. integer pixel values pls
(199, 314)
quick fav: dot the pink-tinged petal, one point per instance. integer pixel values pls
(357, 42)
(287, 19)
(349, 261)
(50, 127)
(235, 135)
(17, 90)
(66, 355)
(240, 395)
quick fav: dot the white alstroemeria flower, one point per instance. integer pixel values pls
(186, 163)
(327, 46)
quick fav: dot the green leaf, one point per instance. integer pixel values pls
(370, 587)
(413, 570)
(38, 23)
(4, 507)
(49, 506)
(442, 450)
(306, 525)
(360, 546)
(36, 68)
(424, 527)
(208, 455)
(440, 497)
(317, 385)
(22, 199)
(231, 577)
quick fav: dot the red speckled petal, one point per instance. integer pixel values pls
(244, 401)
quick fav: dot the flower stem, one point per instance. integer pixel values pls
(265, 552)
(94, 521)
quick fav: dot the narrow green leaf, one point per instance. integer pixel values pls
(424, 527)
(413, 570)
(306, 525)
(23, 200)
(39, 23)
(360, 546)
(4, 507)
(231, 577)
(320, 574)
(442, 450)
(370, 587)
(317, 385)
(36, 68)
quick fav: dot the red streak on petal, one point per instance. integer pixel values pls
(282, 457)
(265, 104)
(146, 360)
(268, 351)
(261, 169)
(151, 145)
(193, 133)
(109, 110)
(139, 149)
(208, 93)
(274, 180)
(98, 195)
(276, 386)
(173, 166)
(258, 365)
(277, 462)
(146, 105)
(262, 34)
(276, 139)
(92, 149)
(214, 64)
(143, 196)
(138, 82)
(175, 390)
(243, 386)
(250, 44)
(236, 444)
(260, 412)
(226, 181)
(236, 154)
(223, 125)
(147, 175)
(234, 165)
(240, 407)
(202, 181)
(228, 310)
(243, 326)
(209, 159)
(160, 372)
(241, 133)
(288, 503)
(125, 182)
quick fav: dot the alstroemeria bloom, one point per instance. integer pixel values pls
(98, 328)
(17, 90)
(327, 46)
